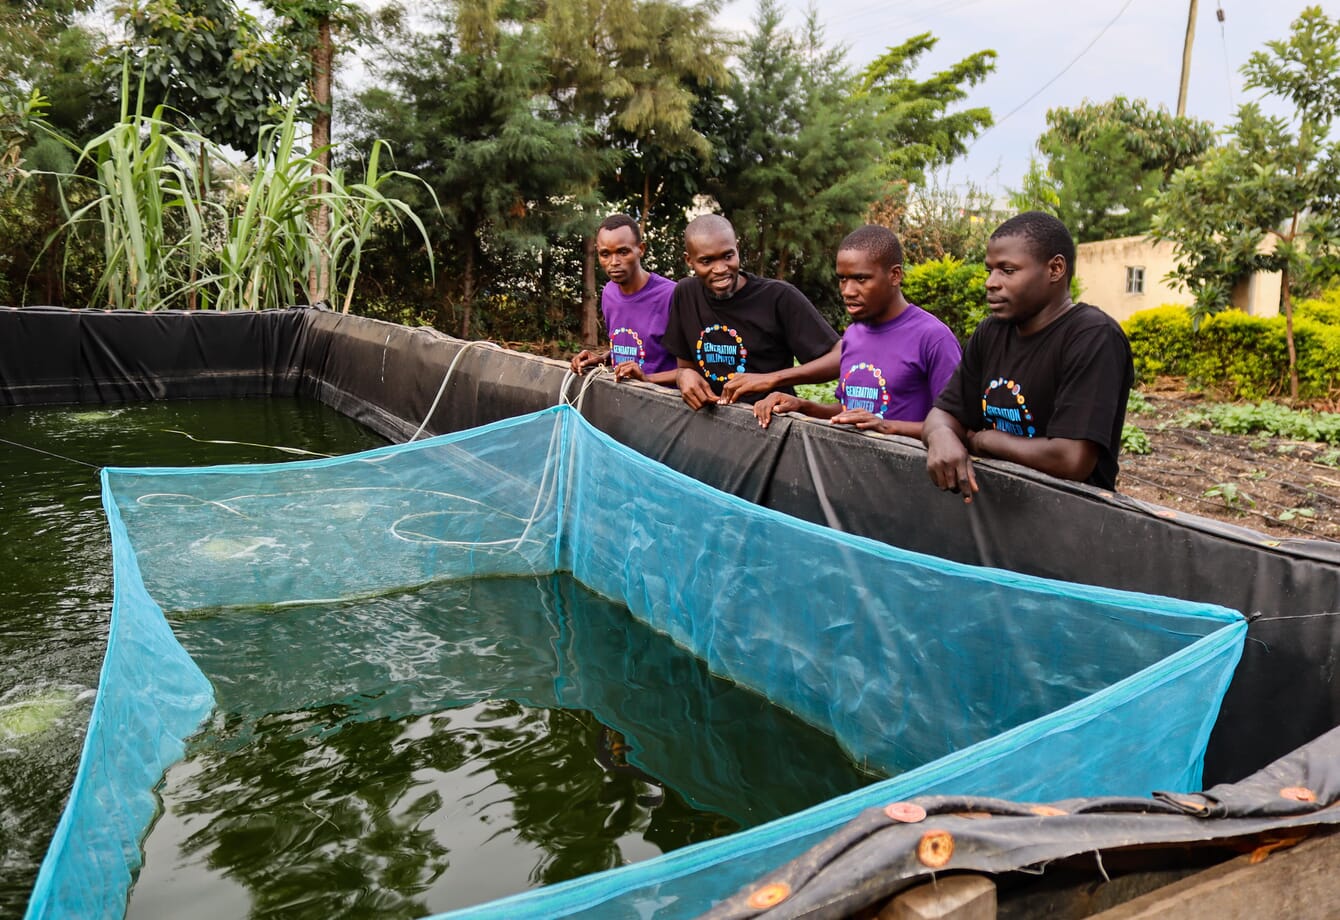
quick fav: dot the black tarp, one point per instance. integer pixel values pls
(1285, 691)
(886, 850)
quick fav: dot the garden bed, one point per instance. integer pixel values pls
(1280, 486)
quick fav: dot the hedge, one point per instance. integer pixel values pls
(952, 290)
(1161, 341)
(1245, 356)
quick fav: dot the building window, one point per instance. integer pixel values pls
(1135, 279)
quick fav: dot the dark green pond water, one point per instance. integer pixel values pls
(432, 750)
(390, 758)
(56, 574)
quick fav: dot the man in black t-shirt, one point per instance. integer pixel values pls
(1043, 381)
(737, 336)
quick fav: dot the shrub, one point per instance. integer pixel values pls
(1324, 309)
(1245, 356)
(1238, 353)
(1248, 356)
(1161, 341)
(817, 392)
(952, 290)
(1318, 347)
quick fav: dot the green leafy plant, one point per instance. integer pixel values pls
(1101, 161)
(1230, 494)
(269, 248)
(1263, 200)
(1136, 404)
(1266, 418)
(244, 245)
(1134, 440)
(1246, 357)
(817, 392)
(1289, 514)
(1324, 309)
(145, 205)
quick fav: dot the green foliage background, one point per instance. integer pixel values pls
(953, 290)
(525, 124)
(1240, 356)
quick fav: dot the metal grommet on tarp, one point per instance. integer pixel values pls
(1298, 794)
(935, 849)
(769, 896)
(905, 812)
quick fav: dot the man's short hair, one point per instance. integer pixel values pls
(707, 223)
(880, 243)
(1046, 236)
(615, 221)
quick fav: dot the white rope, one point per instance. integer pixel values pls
(589, 378)
(447, 376)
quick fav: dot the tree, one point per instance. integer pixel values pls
(209, 65)
(935, 222)
(45, 46)
(212, 64)
(1103, 160)
(798, 163)
(44, 50)
(631, 73)
(465, 109)
(312, 27)
(28, 209)
(1267, 200)
(922, 133)
(807, 147)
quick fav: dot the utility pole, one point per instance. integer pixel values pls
(1186, 57)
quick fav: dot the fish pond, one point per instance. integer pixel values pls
(393, 757)
(56, 573)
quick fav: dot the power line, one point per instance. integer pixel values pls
(1083, 51)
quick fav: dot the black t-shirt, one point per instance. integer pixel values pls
(1068, 380)
(763, 327)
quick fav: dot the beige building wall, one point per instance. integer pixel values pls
(1125, 275)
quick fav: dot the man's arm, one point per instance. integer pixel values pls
(820, 370)
(947, 459)
(866, 420)
(1064, 458)
(630, 370)
(584, 359)
(766, 407)
(693, 386)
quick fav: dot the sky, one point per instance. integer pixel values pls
(1055, 53)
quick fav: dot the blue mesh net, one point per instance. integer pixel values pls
(953, 679)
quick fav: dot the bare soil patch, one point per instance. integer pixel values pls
(1283, 488)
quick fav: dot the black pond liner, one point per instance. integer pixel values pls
(395, 380)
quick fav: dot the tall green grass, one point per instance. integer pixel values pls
(172, 233)
(144, 201)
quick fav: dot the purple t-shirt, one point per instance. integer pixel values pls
(896, 369)
(636, 324)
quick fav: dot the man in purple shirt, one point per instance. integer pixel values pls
(895, 357)
(636, 305)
